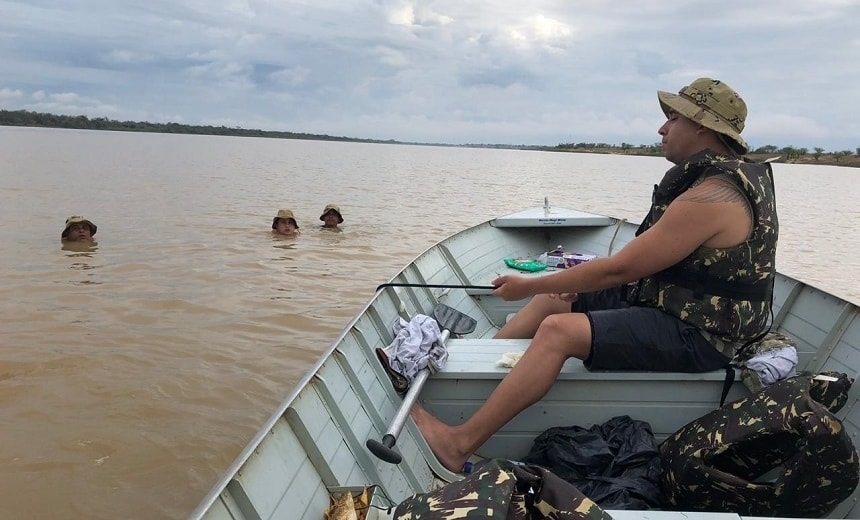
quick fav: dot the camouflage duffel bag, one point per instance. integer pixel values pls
(789, 429)
(503, 489)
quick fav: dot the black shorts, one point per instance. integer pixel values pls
(630, 337)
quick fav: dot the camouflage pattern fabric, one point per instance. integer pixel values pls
(712, 463)
(503, 489)
(831, 390)
(706, 289)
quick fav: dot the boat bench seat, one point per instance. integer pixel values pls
(665, 400)
(478, 359)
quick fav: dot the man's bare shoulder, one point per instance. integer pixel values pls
(723, 209)
(714, 190)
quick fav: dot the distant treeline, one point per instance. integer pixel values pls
(39, 119)
(788, 153)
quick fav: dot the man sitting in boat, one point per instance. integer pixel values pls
(285, 224)
(78, 229)
(331, 217)
(693, 286)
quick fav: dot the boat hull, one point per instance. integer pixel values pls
(313, 445)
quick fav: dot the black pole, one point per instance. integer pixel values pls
(434, 286)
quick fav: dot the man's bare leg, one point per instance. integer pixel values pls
(558, 338)
(525, 323)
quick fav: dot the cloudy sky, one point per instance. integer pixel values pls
(452, 71)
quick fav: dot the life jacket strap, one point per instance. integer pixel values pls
(727, 383)
(701, 284)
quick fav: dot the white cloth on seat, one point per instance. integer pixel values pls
(416, 346)
(509, 359)
(773, 365)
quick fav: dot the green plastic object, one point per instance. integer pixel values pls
(525, 265)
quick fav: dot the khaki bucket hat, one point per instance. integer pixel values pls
(712, 104)
(285, 214)
(332, 207)
(76, 219)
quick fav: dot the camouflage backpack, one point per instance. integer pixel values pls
(713, 463)
(503, 489)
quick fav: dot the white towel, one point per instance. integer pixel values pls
(773, 365)
(416, 346)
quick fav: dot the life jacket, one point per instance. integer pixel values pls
(712, 463)
(503, 490)
(724, 292)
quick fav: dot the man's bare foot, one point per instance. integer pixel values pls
(441, 438)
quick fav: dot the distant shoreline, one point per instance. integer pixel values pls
(850, 161)
(24, 118)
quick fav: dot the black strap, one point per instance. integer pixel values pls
(727, 383)
(730, 368)
(701, 284)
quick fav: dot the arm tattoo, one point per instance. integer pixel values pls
(717, 191)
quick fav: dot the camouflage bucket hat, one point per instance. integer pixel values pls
(77, 219)
(285, 214)
(332, 207)
(712, 104)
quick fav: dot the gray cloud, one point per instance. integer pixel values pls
(490, 71)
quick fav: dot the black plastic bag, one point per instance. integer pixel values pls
(616, 464)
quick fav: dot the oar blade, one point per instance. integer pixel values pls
(453, 320)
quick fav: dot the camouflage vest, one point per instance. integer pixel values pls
(503, 490)
(715, 462)
(724, 292)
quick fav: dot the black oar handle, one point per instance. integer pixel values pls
(383, 449)
(434, 285)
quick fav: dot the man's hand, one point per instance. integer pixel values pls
(568, 297)
(510, 288)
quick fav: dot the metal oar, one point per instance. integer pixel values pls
(451, 321)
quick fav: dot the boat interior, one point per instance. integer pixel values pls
(315, 443)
